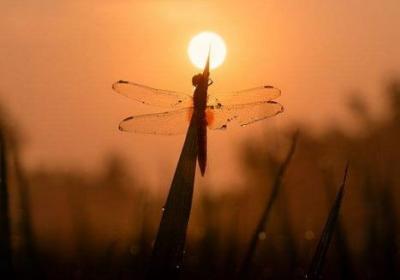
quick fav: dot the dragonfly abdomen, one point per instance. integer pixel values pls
(202, 141)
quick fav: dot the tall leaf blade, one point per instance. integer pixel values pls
(246, 264)
(168, 249)
(5, 231)
(317, 263)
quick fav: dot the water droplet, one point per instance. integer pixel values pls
(163, 209)
(309, 235)
(262, 235)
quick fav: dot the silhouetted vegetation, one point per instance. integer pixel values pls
(6, 266)
(67, 224)
(259, 231)
(318, 260)
(167, 255)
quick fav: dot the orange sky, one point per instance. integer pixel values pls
(59, 59)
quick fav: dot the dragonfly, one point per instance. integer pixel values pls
(202, 110)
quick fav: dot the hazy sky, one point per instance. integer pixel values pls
(59, 59)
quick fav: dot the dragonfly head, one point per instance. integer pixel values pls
(196, 80)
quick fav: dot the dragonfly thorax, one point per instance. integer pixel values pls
(200, 93)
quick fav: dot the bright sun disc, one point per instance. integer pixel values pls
(199, 46)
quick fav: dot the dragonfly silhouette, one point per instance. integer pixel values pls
(202, 110)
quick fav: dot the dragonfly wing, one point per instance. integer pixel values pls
(165, 123)
(251, 95)
(220, 116)
(151, 96)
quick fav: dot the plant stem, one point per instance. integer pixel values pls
(318, 260)
(245, 267)
(167, 255)
(5, 230)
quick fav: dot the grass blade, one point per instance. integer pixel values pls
(5, 231)
(246, 264)
(167, 255)
(344, 261)
(30, 261)
(318, 260)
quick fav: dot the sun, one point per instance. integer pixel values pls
(201, 44)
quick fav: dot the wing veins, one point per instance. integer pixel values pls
(149, 95)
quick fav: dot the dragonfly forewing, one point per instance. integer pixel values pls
(152, 96)
(246, 96)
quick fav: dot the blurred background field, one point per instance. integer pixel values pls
(85, 199)
(68, 224)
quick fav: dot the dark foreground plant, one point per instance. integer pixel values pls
(317, 263)
(246, 265)
(166, 259)
(30, 259)
(5, 237)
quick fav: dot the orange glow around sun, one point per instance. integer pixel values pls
(201, 44)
